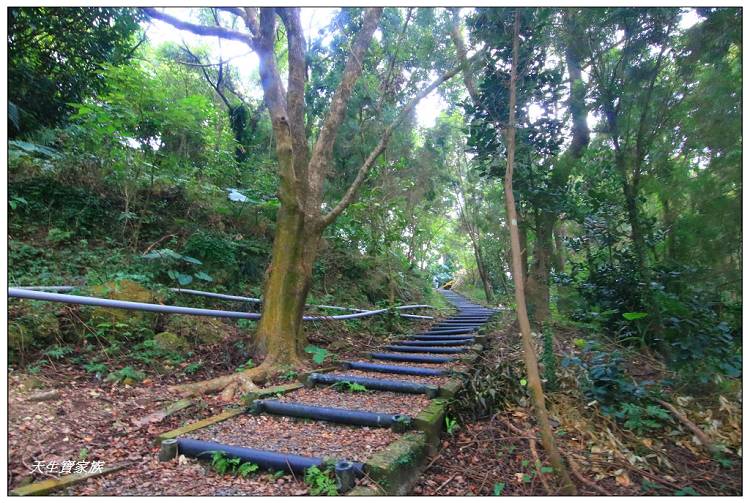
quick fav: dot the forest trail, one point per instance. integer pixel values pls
(582, 165)
(355, 416)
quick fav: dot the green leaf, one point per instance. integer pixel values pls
(686, 491)
(192, 260)
(634, 316)
(203, 276)
(33, 149)
(318, 354)
(498, 489)
(184, 279)
(246, 469)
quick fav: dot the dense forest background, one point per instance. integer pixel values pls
(135, 167)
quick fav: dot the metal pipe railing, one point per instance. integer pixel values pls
(221, 296)
(24, 293)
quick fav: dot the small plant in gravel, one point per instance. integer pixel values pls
(451, 425)
(245, 469)
(57, 352)
(126, 375)
(350, 386)
(319, 354)
(640, 419)
(97, 368)
(37, 367)
(222, 465)
(194, 367)
(686, 491)
(277, 475)
(498, 489)
(321, 482)
(245, 366)
(289, 375)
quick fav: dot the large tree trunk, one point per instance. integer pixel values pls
(302, 172)
(636, 235)
(280, 335)
(529, 351)
(537, 280)
(558, 261)
(523, 236)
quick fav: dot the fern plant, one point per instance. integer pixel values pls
(321, 482)
(451, 425)
(222, 465)
(352, 387)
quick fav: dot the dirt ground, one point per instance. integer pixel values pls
(494, 455)
(64, 414)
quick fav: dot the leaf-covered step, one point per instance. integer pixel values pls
(456, 342)
(425, 349)
(412, 358)
(395, 369)
(429, 337)
(399, 422)
(204, 449)
(375, 384)
(449, 331)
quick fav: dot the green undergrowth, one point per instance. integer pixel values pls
(72, 224)
(321, 482)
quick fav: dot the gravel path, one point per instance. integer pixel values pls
(299, 436)
(435, 380)
(372, 401)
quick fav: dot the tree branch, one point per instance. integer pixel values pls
(295, 97)
(275, 99)
(364, 169)
(323, 148)
(458, 41)
(391, 63)
(204, 31)
(217, 85)
(233, 10)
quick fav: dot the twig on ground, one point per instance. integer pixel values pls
(434, 493)
(589, 483)
(702, 437)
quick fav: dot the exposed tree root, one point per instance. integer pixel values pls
(702, 437)
(589, 483)
(532, 447)
(244, 381)
(228, 393)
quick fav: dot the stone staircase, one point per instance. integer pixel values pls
(449, 345)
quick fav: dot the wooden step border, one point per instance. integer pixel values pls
(45, 487)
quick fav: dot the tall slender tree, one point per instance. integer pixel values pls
(529, 352)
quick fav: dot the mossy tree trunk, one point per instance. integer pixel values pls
(302, 172)
(279, 335)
